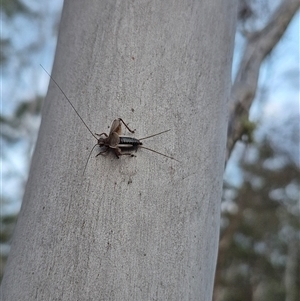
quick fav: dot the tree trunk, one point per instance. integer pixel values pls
(143, 228)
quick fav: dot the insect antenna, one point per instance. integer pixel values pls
(154, 135)
(87, 161)
(69, 101)
(152, 150)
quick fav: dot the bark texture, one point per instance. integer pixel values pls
(143, 228)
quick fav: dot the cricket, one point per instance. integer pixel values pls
(120, 144)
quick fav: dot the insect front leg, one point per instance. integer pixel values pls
(105, 151)
(102, 134)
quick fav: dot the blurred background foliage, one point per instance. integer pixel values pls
(259, 241)
(28, 37)
(259, 254)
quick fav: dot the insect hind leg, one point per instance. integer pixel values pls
(118, 152)
(131, 131)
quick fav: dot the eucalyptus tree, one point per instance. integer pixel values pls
(134, 228)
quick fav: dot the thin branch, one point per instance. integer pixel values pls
(259, 45)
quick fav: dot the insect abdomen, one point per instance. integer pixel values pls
(126, 141)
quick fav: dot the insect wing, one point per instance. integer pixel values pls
(116, 127)
(113, 140)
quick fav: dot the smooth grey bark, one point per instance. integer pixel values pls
(143, 228)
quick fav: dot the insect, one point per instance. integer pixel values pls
(120, 144)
